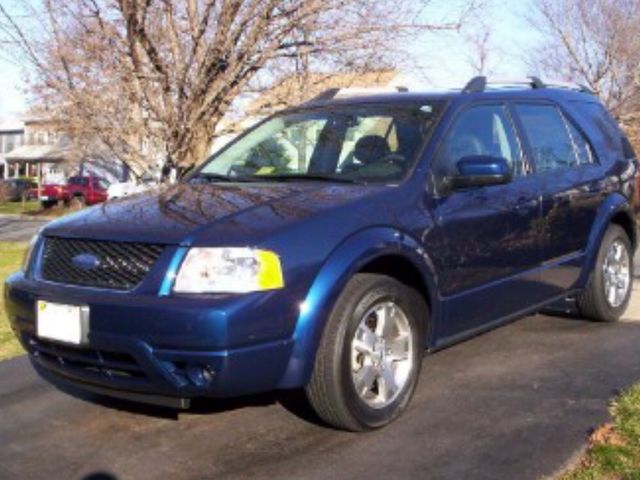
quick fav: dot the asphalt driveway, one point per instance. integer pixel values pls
(14, 228)
(517, 402)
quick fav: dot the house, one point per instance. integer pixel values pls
(11, 137)
(33, 147)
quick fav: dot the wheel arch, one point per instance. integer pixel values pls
(374, 250)
(614, 210)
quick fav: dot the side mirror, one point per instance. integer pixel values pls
(480, 170)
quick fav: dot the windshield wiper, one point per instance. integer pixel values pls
(216, 177)
(313, 176)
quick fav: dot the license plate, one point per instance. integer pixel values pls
(64, 323)
(44, 197)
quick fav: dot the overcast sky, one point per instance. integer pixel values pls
(439, 60)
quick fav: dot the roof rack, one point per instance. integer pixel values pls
(354, 92)
(479, 84)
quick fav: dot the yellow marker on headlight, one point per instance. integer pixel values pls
(270, 274)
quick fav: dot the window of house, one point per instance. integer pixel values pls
(9, 142)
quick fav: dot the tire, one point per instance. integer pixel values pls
(332, 389)
(593, 303)
(47, 204)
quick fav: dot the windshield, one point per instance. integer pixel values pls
(359, 143)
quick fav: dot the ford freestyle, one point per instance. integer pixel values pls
(330, 246)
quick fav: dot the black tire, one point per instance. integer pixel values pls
(47, 204)
(592, 302)
(331, 391)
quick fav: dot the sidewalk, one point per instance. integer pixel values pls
(632, 314)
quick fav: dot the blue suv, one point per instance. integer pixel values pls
(330, 246)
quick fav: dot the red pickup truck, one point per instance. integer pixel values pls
(87, 190)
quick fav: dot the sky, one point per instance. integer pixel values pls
(437, 60)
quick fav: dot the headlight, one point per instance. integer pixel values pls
(26, 260)
(229, 270)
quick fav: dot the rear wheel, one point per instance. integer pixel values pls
(369, 358)
(607, 294)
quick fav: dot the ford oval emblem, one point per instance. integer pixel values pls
(86, 261)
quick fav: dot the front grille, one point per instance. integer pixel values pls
(92, 362)
(120, 266)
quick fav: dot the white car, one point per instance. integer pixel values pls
(124, 189)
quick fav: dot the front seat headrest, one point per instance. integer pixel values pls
(371, 148)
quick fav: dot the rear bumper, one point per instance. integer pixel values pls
(150, 347)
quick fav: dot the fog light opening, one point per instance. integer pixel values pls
(200, 375)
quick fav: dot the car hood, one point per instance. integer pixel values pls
(183, 212)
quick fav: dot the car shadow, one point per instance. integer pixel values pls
(294, 401)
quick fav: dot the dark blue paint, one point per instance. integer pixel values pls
(482, 165)
(483, 256)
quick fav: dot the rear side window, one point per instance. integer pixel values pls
(480, 130)
(548, 135)
(84, 181)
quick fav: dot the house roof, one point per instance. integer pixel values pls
(11, 123)
(297, 89)
(38, 153)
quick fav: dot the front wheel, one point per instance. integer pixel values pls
(369, 358)
(607, 294)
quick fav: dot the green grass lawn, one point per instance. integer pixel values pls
(614, 449)
(18, 207)
(11, 254)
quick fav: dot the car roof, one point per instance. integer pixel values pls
(399, 98)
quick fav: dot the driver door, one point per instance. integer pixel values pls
(488, 236)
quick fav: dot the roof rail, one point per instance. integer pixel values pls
(354, 92)
(479, 84)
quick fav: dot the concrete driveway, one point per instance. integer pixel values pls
(517, 402)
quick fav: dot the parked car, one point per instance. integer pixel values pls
(51, 194)
(84, 190)
(88, 189)
(331, 245)
(124, 189)
(16, 189)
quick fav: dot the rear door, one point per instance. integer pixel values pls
(570, 183)
(488, 253)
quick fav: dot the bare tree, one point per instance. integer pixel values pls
(480, 50)
(594, 43)
(155, 77)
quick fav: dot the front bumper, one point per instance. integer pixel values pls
(143, 346)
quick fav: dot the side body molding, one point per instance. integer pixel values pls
(345, 261)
